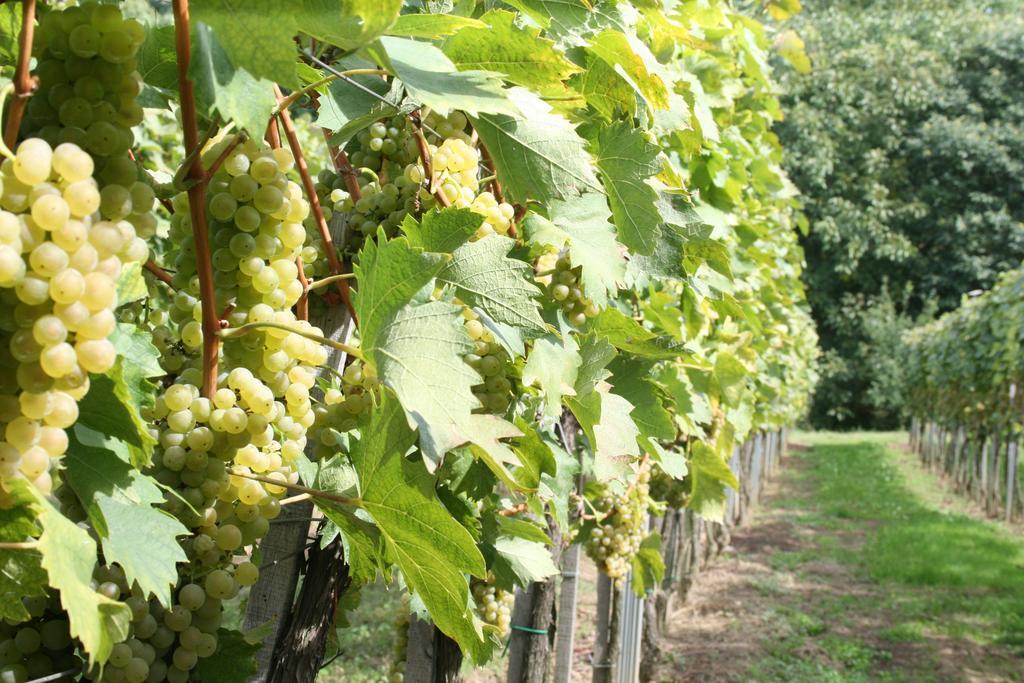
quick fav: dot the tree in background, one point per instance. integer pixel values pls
(907, 142)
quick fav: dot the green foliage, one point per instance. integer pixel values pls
(906, 142)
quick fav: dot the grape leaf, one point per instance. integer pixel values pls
(680, 223)
(630, 379)
(431, 78)
(595, 355)
(442, 231)
(131, 286)
(633, 62)
(235, 659)
(119, 501)
(157, 64)
(582, 224)
(432, 550)
(535, 456)
(354, 24)
(709, 475)
(604, 90)
(21, 574)
(552, 366)
(516, 51)
(432, 25)
(484, 276)
(419, 355)
(529, 560)
(256, 35)
(625, 160)
(486, 430)
(570, 20)
(605, 420)
(110, 408)
(648, 566)
(223, 88)
(69, 557)
(537, 153)
(347, 109)
(10, 30)
(628, 335)
(390, 274)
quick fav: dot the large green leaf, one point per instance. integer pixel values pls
(69, 557)
(581, 223)
(345, 108)
(10, 30)
(537, 153)
(535, 456)
(529, 560)
(256, 35)
(595, 355)
(709, 475)
(442, 231)
(518, 52)
(605, 420)
(432, 25)
(552, 366)
(631, 381)
(628, 335)
(390, 275)
(626, 160)
(226, 89)
(120, 503)
(112, 407)
(648, 566)
(431, 78)
(432, 550)
(484, 276)
(633, 62)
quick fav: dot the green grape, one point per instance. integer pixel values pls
(622, 526)
(493, 605)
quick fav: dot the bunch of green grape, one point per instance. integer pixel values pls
(40, 646)
(561, 281)
(494, 605)
(621, 527)
(88, 86)
(59, 266)
(342, 405)
(492, 361)
(672, 491)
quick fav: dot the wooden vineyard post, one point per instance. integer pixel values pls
(273, 597)
(432, 657)
(530, 640)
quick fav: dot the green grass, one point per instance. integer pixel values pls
(934, 573)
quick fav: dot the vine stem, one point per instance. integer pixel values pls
(314, 203)
(330, 279)
(245, 329)
(24, 83)
(294, 96)
(344, 168)
(19, 545)
(312, 493)
(222, 157)
(159, 273)
(273, 135)
(302, 305)
(197, 200)
(496, 190)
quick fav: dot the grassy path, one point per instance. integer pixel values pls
(857, 567)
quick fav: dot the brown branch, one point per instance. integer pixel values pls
(197, 200)
(24, 83)
(161, 274)
(428, 168)
(512, 511)
(273, 135)
(302, 306)
(344, 168)
(314, 203)
(495, 185)
(222, 157)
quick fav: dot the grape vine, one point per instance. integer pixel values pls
(512, 251)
